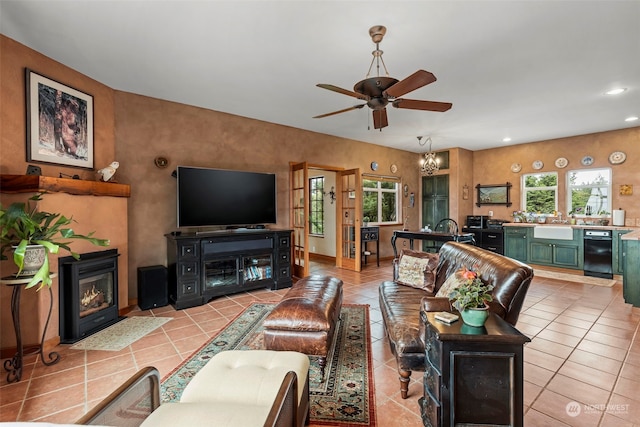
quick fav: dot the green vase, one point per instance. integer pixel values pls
(475, 316)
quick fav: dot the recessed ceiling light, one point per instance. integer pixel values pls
(631, 119)
(616, 91)
(506, 139)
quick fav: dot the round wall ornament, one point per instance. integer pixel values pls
(516, 167)
(537, 165)
(561, 162)
(161, 162)
(587, 161)
(617, 157)
(393, 168)
(374, 166)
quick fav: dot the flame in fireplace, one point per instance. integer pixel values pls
(92, 298)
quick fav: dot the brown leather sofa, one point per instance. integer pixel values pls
(401, 304)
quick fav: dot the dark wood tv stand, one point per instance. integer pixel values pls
(205, 265)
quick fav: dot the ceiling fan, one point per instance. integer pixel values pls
(379, 91)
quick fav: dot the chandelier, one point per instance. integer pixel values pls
(430, 164)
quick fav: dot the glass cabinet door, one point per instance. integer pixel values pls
(256, 268)
(220, 272)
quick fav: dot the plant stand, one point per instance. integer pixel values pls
(14, 365)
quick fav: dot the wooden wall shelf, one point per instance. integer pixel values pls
(37, 183)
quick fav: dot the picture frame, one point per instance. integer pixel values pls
(495, 194)
(59, 123)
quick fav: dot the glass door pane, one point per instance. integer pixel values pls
(256, 268)
(222, 272)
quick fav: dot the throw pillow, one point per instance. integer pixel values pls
(449, 285)
(418, 269)
(452, 282)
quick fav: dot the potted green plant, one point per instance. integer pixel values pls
(32, 234)
(470, 298)
(365, 221)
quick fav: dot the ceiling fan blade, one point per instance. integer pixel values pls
(342, 91)
(414, 81)
(414, 104)
(380, 119)
(355, 107)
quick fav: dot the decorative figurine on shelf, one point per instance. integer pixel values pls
(108, 172)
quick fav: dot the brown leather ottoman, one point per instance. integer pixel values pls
(306, 317)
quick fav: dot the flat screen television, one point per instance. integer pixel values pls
(219, 197)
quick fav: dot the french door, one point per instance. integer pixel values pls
(348, 240)
(299, 217)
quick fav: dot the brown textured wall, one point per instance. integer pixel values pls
(494, 167)
(186, 135)
(107, 216)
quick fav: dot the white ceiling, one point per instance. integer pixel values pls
(529, 70)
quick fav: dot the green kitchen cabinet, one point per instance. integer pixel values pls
(555, 252)
(558, 253)
(631, 275)
(617, 253)
(516, 242)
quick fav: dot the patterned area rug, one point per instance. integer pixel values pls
(345, 398)
(574, 278)
(122, 334)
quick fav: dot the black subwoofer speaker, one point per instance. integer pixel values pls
(152, 287)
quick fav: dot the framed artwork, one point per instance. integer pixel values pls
(626, 190)
(59, 123)
(498, 194)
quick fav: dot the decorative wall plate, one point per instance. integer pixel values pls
(537, 165)
(374, 166)
(617, 157)
(394, 168)
(161, 162)
(587, 161)
(516, 167)
(561, 162)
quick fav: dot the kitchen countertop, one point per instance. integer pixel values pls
(580, 226)
(634, 235)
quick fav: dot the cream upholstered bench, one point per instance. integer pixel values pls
(237, 388)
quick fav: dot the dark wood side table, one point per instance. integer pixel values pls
(14, 365)
(473, 376)
(370, 234)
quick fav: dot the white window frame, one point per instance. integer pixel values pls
(608, 186)
(523, 196)
(381, 191)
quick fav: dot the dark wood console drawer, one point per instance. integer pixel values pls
(187, 268)
(188, 288)
(284, 257)
(188, 249)
(492, 237)
(494, 248)
(284, 272)
(284, 241)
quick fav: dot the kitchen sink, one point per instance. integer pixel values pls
(553, 232)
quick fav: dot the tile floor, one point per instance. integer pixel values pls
(585, 349)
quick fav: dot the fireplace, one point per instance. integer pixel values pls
(88, 294)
